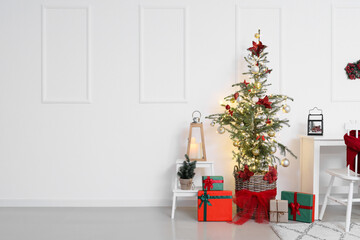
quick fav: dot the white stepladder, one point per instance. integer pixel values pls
(177, 192)
(347, 175)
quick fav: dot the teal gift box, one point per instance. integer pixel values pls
(213, 183)
(301, 206)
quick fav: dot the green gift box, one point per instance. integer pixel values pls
(301, 206)
(213, 183)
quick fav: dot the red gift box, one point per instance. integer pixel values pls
(214, 206)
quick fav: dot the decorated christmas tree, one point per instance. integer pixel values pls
(251, 116)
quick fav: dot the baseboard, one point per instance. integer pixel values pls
(85, 203)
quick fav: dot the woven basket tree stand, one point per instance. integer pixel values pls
(256, 183)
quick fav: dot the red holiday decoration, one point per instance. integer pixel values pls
(353, 70)
(246, 83)
(262, 137)
(352, 149)
(257, 48)
(252, 203)
(265, 102)
(227, 107)
(268, 121)
(236, 95)
(271, 175)
(231, 112)
(246, 174)
(268, 71)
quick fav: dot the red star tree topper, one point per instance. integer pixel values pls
(251, 116)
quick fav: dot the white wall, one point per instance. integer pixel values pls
(95, 104)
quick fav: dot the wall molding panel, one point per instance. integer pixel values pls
(343, 51)
(244, 36)
(66, 45)
(163, 57)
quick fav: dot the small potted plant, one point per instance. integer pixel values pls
(186, 173)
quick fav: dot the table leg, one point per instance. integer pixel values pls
(316, 175)
(173, 207)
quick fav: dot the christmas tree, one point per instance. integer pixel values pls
(251, 116)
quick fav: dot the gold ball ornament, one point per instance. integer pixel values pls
(212, 123)
(255, 69)
(258, 85)
(257, 35)
(236, 143)
(286, 108)
(255, 152)
(220, 130)
(273, 150)
(271, 133)
(232, 100)
(285, 162)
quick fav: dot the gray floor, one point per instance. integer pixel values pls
(130, 223)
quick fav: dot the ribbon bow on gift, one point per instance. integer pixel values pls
(204, 199)
(208, 183)
(295, 208)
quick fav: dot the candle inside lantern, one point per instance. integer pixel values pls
(194, 149)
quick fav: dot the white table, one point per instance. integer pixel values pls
(177, 192)
(310, 149)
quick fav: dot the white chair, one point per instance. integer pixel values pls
(347, 175)
(188, 193)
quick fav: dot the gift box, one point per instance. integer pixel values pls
(301, 206)
(214, 206)
(212, 183)
(279, 211)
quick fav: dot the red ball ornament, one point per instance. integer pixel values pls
(227, 107)
(236, 95)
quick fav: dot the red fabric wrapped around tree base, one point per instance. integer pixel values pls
(255, 204)
(352, 149)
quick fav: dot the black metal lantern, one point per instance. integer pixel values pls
(315, 122)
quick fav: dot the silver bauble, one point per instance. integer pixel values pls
(241, 124)
(238, 99)
(212, 123)
(255, 69)
(286, 108)
(285, 162)
(255, 151)
(220, 130)
(273, 150)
